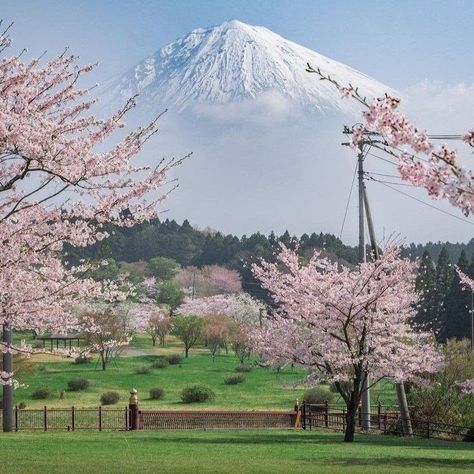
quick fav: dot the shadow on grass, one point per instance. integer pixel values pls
(309, 439)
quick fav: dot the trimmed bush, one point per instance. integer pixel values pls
(160, 364)
(22, 405)
(156, 393)
(143, 369)
(243, 368)
(234, 379)
(109, 398)
(196, 394)
(77, 384)
(469, 436)
(40, 393)
(318, 395)
(174, 359)
(82, 359)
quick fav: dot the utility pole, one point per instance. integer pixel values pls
(7, 389)
(472, 320)
(401, 394)
(365, 399)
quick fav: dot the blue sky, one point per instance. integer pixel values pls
(398, 42)
(421, 48)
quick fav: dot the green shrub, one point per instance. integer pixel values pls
(40, 393)
(197, 393)
(143, 369)
(82, 359)
(156, 393)
(109, 398)
(243, 368)
(318, 395)
(77, 384)
(160, 364)
(173, 359)
(469, 436)
(22, 405)
(234, 379)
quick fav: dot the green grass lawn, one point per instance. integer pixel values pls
(262, 389)
(227, 452)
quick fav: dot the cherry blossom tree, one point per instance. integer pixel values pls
(241, 307)
(60, 182)
(209, 280)
(107, 332)
(217, 332)
(159, 325)
(343, 323)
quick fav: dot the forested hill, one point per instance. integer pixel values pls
(190, 246)
(444, 307)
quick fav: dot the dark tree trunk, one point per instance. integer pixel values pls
(186, 351)
(103, 360)
(153, 340)
(7, 389)
(350, 421)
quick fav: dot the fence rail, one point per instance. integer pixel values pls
(168, 419)
(70, 419)
(381, 420)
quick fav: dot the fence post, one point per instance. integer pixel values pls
(45, 416)
(100, 418)
(385, 422)
(428, 429)
(126, 418)
(360, 416)
(304, 414)
(133, 409)
(16, 418)
(73, 418)
(326, 414)
(379, 411)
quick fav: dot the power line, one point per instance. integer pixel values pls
(383, 159)
(423, 202)
(348, 201)
(388, 182)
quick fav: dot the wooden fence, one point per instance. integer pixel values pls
(102, 419)
(176, 420)
(382, 420)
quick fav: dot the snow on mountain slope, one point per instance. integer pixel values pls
(234, 62)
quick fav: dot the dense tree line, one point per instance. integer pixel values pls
(444, 307)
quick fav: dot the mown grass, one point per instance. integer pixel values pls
(229, 452)
(263, 388)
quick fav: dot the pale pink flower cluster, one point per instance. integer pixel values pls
(466, 281)
(385, 128)
(440, 173)
(337, 321)
(467, 387)
(209, 280)
(241, 307)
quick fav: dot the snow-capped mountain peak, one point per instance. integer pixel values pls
(232, 62)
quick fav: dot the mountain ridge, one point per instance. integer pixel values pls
(234, 62)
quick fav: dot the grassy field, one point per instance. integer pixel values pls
(228, 452)
(262, 389)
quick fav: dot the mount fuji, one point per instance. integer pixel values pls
(235, 62)
(265, 135)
